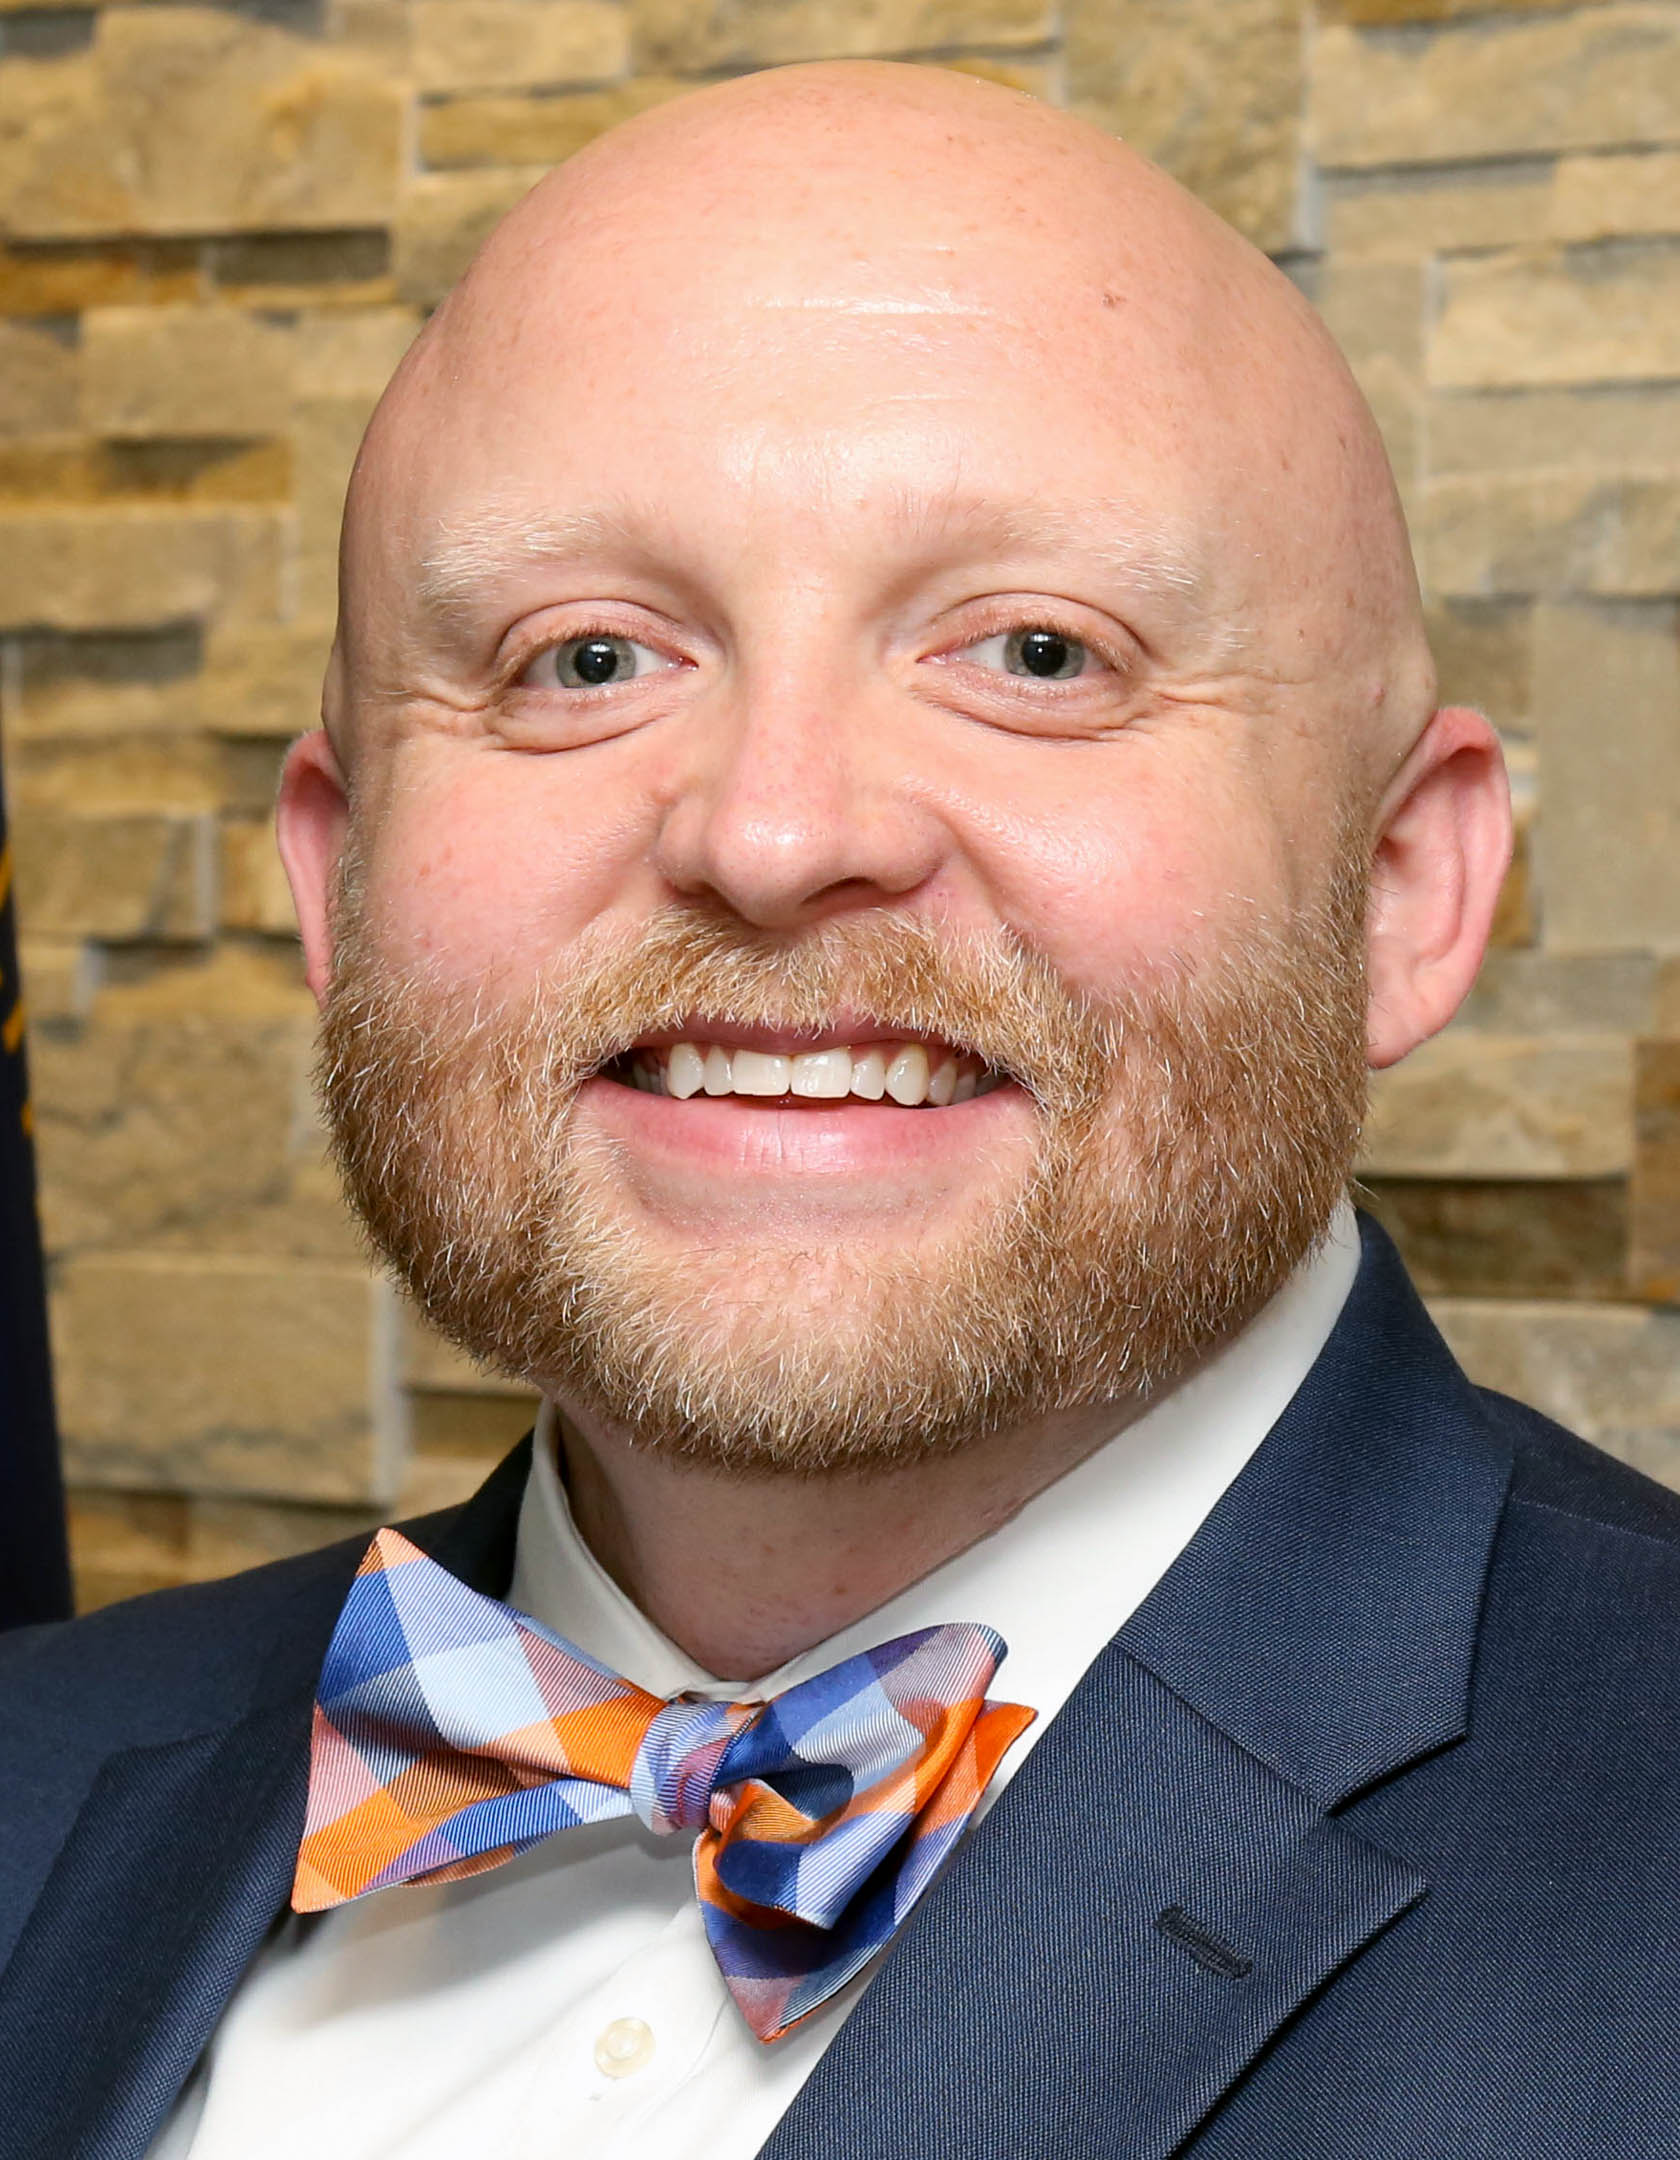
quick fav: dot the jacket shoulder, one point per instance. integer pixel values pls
(1592, 1495)
(173, 1662)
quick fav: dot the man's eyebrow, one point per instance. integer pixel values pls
(472, 554)
(1142, 550)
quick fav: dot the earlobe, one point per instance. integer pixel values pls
(1442, 849)
(311, 819)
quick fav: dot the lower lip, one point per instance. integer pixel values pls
(786, 1138)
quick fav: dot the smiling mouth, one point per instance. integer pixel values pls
(913, 1075)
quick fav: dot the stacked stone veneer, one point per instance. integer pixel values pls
(220, 227)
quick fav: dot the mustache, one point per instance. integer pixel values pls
(984, 992)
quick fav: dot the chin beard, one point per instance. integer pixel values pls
(1193, 1139)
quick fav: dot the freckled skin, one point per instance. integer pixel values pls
(802, 344)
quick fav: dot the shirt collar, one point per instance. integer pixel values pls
(1056, 1581)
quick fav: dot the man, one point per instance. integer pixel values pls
(880, 789)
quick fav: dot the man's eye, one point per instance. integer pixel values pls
(1047, 655)
(591, 663)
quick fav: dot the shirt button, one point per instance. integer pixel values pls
(624, 2048)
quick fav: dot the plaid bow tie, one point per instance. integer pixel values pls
(452, 1732)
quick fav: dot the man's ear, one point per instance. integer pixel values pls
(311, 818)
(1443, 846)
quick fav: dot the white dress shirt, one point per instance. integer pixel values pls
(567, 2003)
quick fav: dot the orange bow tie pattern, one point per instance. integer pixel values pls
(452, 1732)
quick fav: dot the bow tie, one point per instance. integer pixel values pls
(452, 1732)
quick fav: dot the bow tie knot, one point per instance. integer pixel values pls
(452, 1732)
(674, 1781)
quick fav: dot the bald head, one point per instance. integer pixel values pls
(913, 245)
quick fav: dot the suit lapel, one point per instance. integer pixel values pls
(1164, 1881)
(178, 1863)
(177, 1866)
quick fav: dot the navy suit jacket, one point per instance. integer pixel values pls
(1358, 1842)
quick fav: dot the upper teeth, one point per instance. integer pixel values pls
(906, 1072)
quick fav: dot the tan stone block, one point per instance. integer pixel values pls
(443, 220)
(225, 1536)
(264, 679)
(1472, 1105)
(1534, 318)
(120, 567)
(62, 470)
(175, 1109)
(40, 381)
(1665, 1021)
(1551, 533)
(100, 710)
(72, 469)
(1593, 78)
(60, 979)
(255, 982)
(433, 1365)
(255, 895)
(326, 434)
(342, 271)
(518, 44)
(1395, 13)
(104, 684)
(376, 30)
(533, 132)
(1636, 427)
(1602, 198)
(1487, 1238)
(250, 767)
(193, 120)
(457, 1441)
(1515, 918)
(352, 355)
(1039, 78)
(48, 278)
(227, 1375)
(125, 1544)
(210, 471)
(147, 875)
(1412, 215)
(1655, 1194)
(1608, 1372)
(307, 1220)
(1546, 993)
(1212, 90)
(57, 172)
(184, 371)
(1607, 714)
(1481, 650)
(1375, 310)
(169, 773)
(687, 39)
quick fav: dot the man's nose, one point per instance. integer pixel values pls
(800, 803)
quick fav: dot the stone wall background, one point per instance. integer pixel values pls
(220, 226)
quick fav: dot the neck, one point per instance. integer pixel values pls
(744, 1573)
